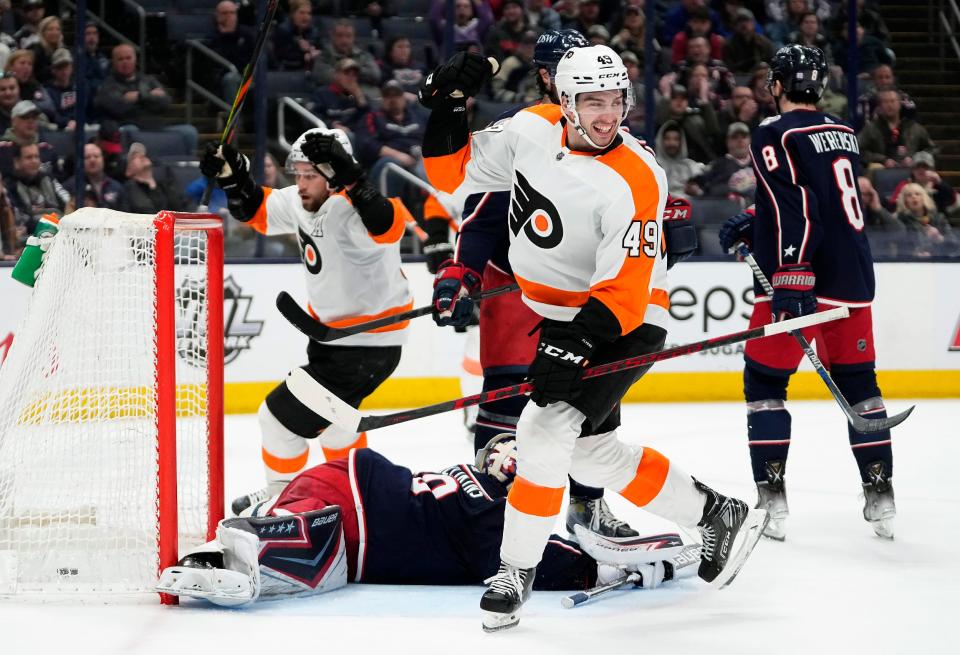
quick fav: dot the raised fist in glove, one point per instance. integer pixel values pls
(793, 291)
(227, 165)
(736, 229)
(332, 160)
(557, 369)
(678, 230)
(465, 73)
(452, 288)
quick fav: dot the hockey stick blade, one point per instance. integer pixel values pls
(857, 422)
(300, 319)
(323, 402)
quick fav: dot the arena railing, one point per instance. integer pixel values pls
(283, 104)
(193, 45)
(951, 25)
(140, 47)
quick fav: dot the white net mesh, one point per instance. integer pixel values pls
(78, 431)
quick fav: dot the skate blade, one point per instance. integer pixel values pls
(196, 583)
(747, 538)
(775, 530)
(497, 621)
(883, 528)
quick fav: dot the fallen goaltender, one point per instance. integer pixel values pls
(364, 519)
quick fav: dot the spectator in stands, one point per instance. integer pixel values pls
(295, 39)
(97, 67)
(51, 39)
(632, 33)
(745, 48)
(7, 43)
(698, 122)
(375, 10)
(20, 63)
(9, 97)
(32, 192)
(232, 41)
(542, 17)
(720, 78)
(145, 193)
(515, 81)
(924, 173)
(882, 77)
(884, 231)
(678, 16)
(871, 52)
(61, 90)
(136, 101)
(891, 140)
(598, 35)
(766, 105)
(392, 135)
(672, 156)
(342, 103)
(272, 175)
(108, 139)
(25, 130)
(342, 45)
(867, 14)
(784, 19)
(928, 231)
(588, 15)
(698, 24)
(398, 64)
(701, 89)
(778, 10)
(732, 176)
(12, 236)
(809, 34)
(32, 12)
(471, 21)
(742, 108)
(504, 36)
(102, 189)
(635, 119)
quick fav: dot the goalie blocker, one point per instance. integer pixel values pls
(317, 537)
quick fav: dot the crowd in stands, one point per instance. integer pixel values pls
(364, 64)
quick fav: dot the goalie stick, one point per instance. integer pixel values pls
(323, 402)
(687, 556)
(859, 423)
(246, 79)
(318, 331)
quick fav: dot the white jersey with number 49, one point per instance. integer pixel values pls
(582, 225)
(352, 276)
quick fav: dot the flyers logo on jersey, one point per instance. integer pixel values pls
(532, 212)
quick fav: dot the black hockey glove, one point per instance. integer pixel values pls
(227, 165)
(557, 369)
(737, 228)
(793, 294)
(437, 248)
(452, 288)
(679, 231)
(465, 73)
(323, 149)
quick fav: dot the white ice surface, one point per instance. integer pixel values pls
(832, 587)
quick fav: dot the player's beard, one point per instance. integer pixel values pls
(312, 204)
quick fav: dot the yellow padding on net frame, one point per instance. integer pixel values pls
(245, 397)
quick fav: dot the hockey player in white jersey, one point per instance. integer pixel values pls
(587, 249)
(349, 239)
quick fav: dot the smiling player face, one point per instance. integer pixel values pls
(600, 115)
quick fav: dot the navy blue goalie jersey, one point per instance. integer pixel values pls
(445, 528)
(808, 204)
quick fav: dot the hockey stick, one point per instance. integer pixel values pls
(318, 331)
(859, 423)
(689, 555)
(323, 402)
(233, 117)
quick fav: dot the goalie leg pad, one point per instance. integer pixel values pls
(297, 555)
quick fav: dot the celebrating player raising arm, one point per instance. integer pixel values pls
(349, 238)
(587, 250)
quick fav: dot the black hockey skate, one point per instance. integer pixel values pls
(730, 530)
(772, 496)
(595, 515)
(507, 592)
(879, 508)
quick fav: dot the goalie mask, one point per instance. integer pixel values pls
(499, 458)
(296, 151)
(587, 70)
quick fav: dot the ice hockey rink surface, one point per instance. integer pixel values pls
(832, 587)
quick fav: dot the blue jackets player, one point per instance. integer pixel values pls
(807, 234)
(365, 519)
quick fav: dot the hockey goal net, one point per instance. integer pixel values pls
(111, 416)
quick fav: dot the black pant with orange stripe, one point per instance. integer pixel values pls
(351, 372)
(600, 400)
